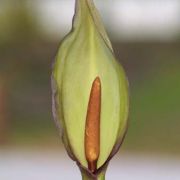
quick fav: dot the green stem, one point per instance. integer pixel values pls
(99, 177)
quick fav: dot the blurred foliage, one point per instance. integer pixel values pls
(154, 88)
(17, 22)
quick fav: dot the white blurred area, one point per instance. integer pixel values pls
(124, 19)
(54, 165)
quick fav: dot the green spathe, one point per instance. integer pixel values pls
(84, 54)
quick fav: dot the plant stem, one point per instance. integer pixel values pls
(99, 177)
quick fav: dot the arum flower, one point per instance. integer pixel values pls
(90, 93)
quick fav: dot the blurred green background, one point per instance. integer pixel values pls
(28, 45)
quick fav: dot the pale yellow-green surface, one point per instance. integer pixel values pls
(85, 54)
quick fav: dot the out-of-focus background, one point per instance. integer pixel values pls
(146, 38)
